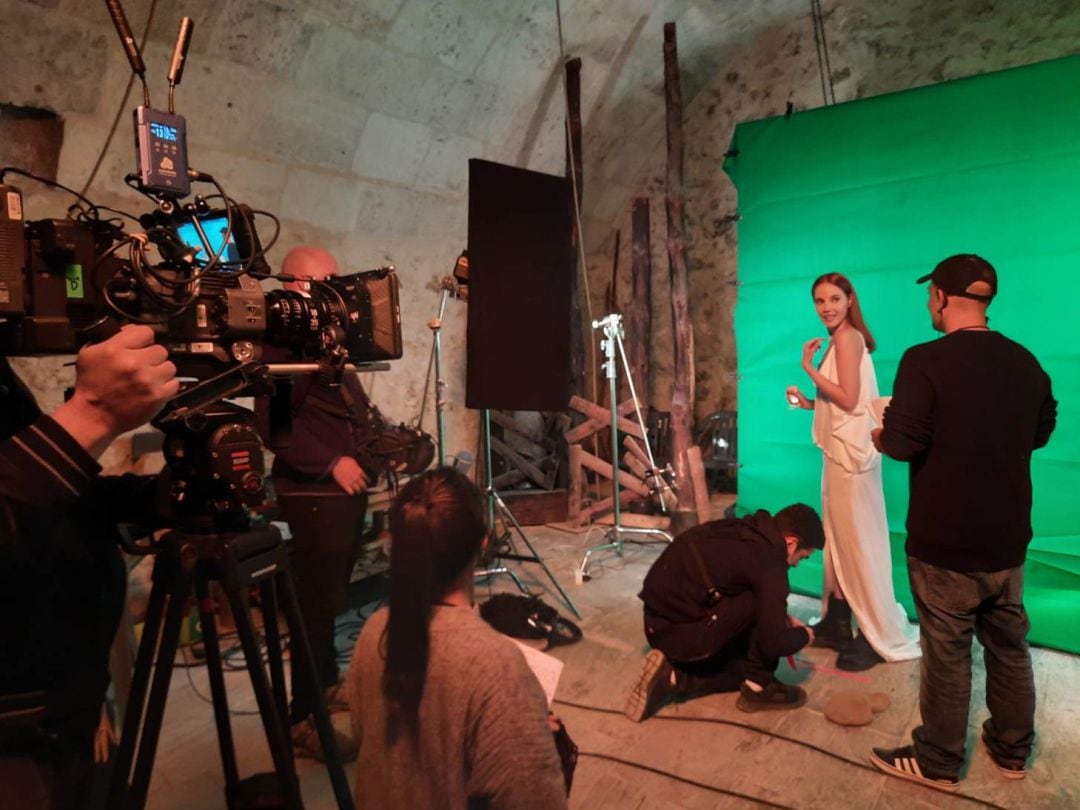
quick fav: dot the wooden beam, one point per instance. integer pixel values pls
(534, 473)
(508, 479)
(701, 488)
(575, 482)
(626, 480)
(630, 444)
(603, 416)
(682, 393)
(635, 465)
(639, 308)
(608, 504)
(591, 426)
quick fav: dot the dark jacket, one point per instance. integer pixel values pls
(328, 422)
(745, 555)
(967, 411)
(62, 580)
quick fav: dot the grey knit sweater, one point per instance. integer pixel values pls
(483, 737)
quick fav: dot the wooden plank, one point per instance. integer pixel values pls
(574, 498)
(630, 444)
(626, 480)
(636, 521)
(701, 488)
(602, 417)
(508, 479)
(639, 308)
(635, 465)
(534, 473)
(682, 390)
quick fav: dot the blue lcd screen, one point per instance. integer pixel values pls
(163, 131)
(215, 228)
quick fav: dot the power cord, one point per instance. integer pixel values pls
(748, 727)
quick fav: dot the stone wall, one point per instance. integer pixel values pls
(353, 120)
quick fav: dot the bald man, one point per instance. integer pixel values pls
(967, 411)
(321, 483)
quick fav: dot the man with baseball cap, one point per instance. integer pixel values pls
(967, 411)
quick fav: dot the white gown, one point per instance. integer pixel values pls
(857, 552)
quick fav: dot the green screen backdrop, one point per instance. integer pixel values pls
(882, 189)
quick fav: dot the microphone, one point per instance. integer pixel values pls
(463, 461)
(127, 39)
(180, 49)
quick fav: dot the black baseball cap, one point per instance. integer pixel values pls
(955, 274)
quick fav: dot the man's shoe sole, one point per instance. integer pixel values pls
(891, 770)
(637, 702)
(746, 705)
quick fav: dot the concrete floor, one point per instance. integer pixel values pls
(600, 669)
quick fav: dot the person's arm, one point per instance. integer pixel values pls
(43, 465)
(1047, 419)
(909, 418)
(511, 750)
(778, 637)
(848, 347)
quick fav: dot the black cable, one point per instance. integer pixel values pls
(747, 727)
(46, 181)
(825, 50)
(684, 780)
(123, 103)
(817, 17)
(187, 667)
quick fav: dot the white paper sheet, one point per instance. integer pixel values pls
(547, 668)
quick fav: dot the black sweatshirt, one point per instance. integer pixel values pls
(967, 411)
(740, 555)
(61, 577)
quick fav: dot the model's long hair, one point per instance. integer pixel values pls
(854, 315)
(437, 529)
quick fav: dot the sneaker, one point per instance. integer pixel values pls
(902, 762)
(307, 745)
(337, 697)
(1010, 768)
(653, 685)
(773, 696)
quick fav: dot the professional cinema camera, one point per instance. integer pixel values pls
(192, 271)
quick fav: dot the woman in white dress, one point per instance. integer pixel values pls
(858, 560)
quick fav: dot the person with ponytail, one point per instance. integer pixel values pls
(858, 567)
(445, 710)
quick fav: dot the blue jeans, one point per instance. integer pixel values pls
(951, 606)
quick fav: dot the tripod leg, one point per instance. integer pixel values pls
(509, 516)
(302, 657)
(217, 686)
(140, 682)
(159, 690)
(268, 595)
(272, 722)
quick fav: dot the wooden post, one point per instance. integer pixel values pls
(574, 170)
(639, 310)
(574, 499)
(682, 393)
(701, 487)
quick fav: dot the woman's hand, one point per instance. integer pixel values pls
(810, 348)
(796, 398)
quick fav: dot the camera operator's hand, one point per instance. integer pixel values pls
(350, 475)
(120, 384)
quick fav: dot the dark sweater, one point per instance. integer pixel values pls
(740, 555)
(967, 411)
(61, 577)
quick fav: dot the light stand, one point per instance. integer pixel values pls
(612, 345)
(497, 504)
(447, 286)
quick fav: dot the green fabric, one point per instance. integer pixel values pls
(881, 190)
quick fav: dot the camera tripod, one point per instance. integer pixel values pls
(613, 537)
(238, 560)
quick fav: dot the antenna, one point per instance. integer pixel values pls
(179, 56)
(131, 47)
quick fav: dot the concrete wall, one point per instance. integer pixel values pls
(353, 121)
